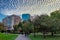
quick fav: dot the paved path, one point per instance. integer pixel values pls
(22, 37)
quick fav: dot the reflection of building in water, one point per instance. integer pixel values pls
(10, 21)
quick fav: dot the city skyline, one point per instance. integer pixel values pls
(23, 16)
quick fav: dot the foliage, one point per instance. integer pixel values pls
(55, 14)
(27, 26)
(1, 26)
(15, 27)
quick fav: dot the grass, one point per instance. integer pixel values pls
(48, 37)
(7, 36)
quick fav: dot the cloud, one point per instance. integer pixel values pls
(33, 7)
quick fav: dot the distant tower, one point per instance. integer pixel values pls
(32, 18)
(25, 17)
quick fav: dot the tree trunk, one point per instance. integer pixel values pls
(52, 34)
(34, 34)
(44, 35)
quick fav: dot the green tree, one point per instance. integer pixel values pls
(46, 24)
(51, 24)
(55, 14)
(40, 24)
(1, 26)
(36, 24)
(44, 21)
(27, 27)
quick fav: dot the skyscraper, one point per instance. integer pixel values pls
(25, 17)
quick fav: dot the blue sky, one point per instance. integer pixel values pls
(2, 17)
(33, 7)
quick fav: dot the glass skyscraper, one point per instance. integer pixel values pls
(25, 17)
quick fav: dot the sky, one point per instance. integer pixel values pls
(2, 17)
(33, 7)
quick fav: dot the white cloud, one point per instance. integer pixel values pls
(34, 7)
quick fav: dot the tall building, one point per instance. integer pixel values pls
(32, 18)
(10, 21)
(25, 17)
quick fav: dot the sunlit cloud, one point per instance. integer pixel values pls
(33, 7)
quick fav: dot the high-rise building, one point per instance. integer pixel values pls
(32, 18)
(10, 21)
(25, 17)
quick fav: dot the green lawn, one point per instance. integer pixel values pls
(7, 36)
(40, 37)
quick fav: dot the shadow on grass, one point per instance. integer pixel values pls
(55, 35)
(48, 37)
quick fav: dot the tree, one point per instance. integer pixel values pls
(51, 24)
(40, 23)
(18, 28)
(15, 27)
(56, 16)
(44, 21)
(46, 24)
(1, 27)
(27, 27)
(36, 24)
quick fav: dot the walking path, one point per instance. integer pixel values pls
(22, 37)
